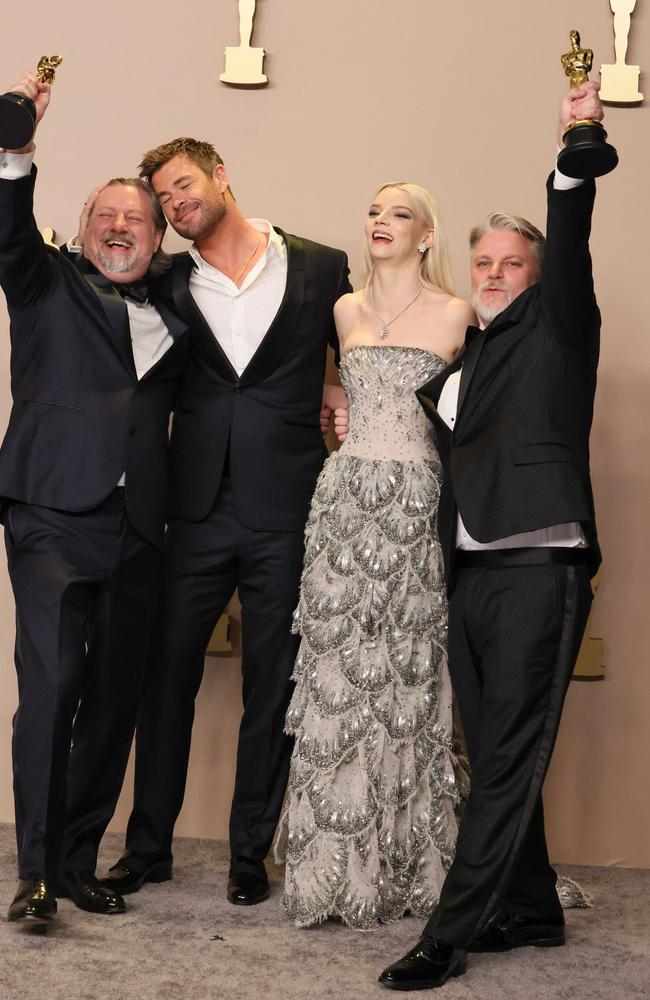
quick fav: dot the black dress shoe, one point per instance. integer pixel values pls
(88, 893)
(35, 901)
(130, 873)
(248, 888)
(431, 963)
(511, 930)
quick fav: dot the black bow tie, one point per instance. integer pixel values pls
(135, 290)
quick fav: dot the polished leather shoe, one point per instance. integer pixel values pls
(248, 888)
(130, 873)
(88, 893)
(430, 964)
(35, 901)
(511, 930)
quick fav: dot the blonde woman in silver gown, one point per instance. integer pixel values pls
(369, 827)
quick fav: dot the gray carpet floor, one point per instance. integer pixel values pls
(181, 940)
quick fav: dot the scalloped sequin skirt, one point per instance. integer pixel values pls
(369, 823)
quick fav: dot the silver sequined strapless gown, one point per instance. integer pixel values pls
(368, 828)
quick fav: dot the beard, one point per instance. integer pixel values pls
(204, 221)
(488, 313)
(117, 263)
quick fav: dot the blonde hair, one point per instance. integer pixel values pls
(435, 271)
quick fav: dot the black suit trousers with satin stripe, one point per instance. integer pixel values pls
(84, 586)
(206, 562)
(514, 635)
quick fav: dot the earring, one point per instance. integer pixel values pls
(423, 248)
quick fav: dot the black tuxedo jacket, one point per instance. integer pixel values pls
(267, 419)
(518, 457)
(80, 417)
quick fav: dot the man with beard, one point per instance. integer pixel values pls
(246, 450)
(518, 531)
(83, 467)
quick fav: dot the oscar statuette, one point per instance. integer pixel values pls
(586, 152)
(18, 112)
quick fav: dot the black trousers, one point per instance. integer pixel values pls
(84, 586)
(205, 563)
(514, 635)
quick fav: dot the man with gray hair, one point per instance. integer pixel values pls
(517, 527)
(96, 358)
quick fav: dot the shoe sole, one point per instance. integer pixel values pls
(243, 902)
(556, 942)
(32, 919)
(425, 984)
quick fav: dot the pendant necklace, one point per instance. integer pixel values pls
(247, 262)
(382, 333)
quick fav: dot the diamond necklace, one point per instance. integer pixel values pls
(382, 333)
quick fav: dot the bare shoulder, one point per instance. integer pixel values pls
(349, 304)
(449, 318)
(450, 309)
(346, 313)
(461, 311)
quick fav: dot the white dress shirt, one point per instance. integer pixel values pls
(240, 317)
(561, 535)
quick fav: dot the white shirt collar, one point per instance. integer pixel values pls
(275, 245)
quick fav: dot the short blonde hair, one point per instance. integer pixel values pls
(435, 270)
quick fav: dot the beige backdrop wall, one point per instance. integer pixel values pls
(462, 98)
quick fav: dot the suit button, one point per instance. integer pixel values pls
(238, 388)
(132, 431)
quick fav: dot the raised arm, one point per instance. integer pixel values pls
(27, 269)
(567, 279)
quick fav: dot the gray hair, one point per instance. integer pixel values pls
(515, 224)
(160, 260)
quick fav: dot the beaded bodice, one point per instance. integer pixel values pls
(386, 419)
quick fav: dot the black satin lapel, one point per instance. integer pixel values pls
(115, 308)
(281, 331)
(176, 327)
(469, 363)
(192, 315)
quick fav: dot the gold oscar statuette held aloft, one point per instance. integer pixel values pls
(243, 63)
(620, 82)
(18, 113)
(586, 152)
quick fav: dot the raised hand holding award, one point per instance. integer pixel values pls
(586, 152)
(18, 111)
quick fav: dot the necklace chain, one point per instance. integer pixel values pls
(247, 262)
(382, 333)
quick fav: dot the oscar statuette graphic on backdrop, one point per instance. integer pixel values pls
(18, 113)
(619, 81)
(243, 63)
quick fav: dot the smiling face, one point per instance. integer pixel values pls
(193, 203)
(503, 266)
(394, 229)
(121, 237)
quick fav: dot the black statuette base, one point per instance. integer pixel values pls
(586, 153)
(17, 120)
